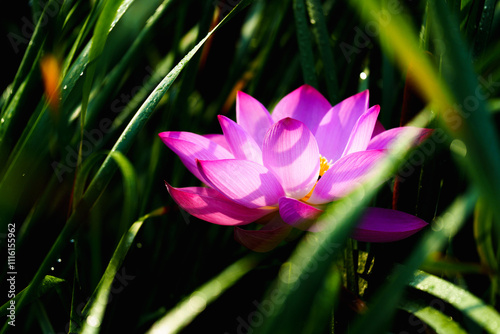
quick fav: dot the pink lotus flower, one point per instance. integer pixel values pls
(281, 169)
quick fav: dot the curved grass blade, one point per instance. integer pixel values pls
(96, 307)
(471, 306)
(483, 234)
(48, 283)
(478, 28)
(32, 52)
(441, 323)
(105, 23)
(182, 314)
(107, 169)
(102, 93)
(130, 188)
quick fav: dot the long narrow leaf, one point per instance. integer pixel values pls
(471, 306)
(100, 301)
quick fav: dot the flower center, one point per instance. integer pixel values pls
(324, 165)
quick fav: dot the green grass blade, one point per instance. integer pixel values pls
(115, 78)
(317, 18)
(130, 187)
(182, 314)
(483, 31)
(99, 301)
(441, 323)
(305, 44)
(32, 52)
(107, 19)
(48, 283)
(471, 306)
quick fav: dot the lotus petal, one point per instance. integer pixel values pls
(210, 205)
(345, 175)
(252, 116)
(245, 182)
(291, 152)
(305, 104)
(242, 145)
(386, 225)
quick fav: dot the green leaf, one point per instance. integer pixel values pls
(184, 312)
(471, 306)
(305, 45)
(48, 283)
(97, 305)
(318, 21)
(107, 19)
(441, 323)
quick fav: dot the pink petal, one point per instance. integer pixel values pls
(336, 126)
(265, 239)
(384, 139)
(379, 128)
(305, 104)
(252, 116)
(242, 145)
(298, 214)
(386, 225)
(345, 175)
(210, 205)
(362, 131)
(190, 146)
(291, 152)
(218, 139)
(245, 182)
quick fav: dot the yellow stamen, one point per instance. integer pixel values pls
(324, 165)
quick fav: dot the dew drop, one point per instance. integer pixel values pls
(93, 321)
(65, 87)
